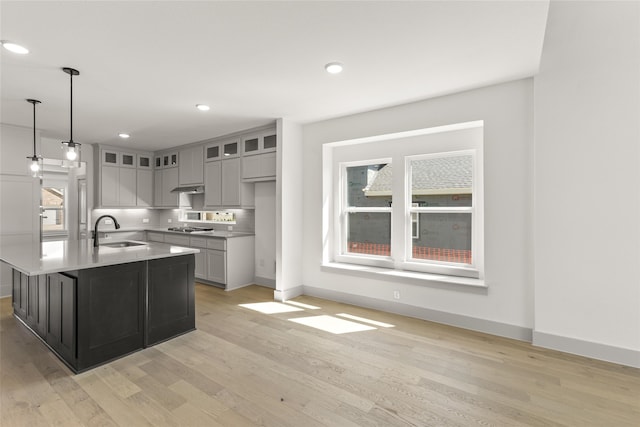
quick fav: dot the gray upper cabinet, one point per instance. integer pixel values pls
(119, 181)
(191, 168)
(259, 143)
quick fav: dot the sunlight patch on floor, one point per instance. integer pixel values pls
(270, 307)
(332, 324)
(365, 320)
(302, 305)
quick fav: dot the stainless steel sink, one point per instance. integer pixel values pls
(123, 244)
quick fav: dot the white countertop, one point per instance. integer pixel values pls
(67, 255)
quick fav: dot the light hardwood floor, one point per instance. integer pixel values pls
(245, 368)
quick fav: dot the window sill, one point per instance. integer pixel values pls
(402, 275)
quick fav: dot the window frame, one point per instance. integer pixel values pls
(397, 148)
(341, 253)
(435, 266)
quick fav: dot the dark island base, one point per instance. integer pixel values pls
(94, 316)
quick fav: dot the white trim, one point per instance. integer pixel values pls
(460, 321)
(286, 294)
(402, 276)
(337, 156)
(594, 350)
(408, 134)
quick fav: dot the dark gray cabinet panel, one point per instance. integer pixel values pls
(89, 317)
(110, 312)
(171, 302)
(37, 304)
(61, 316)
(20, 294)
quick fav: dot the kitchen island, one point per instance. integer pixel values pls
(92, 305)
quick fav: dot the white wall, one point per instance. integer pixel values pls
(265, 231)
(289, 210)
(507, 113)
(587, 181)
(19, 194)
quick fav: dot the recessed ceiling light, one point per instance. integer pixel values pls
(334, 67)
(124, 135)
(202, 107)
(15, 48)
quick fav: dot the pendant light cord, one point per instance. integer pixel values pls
(71, 110)
(34, 129)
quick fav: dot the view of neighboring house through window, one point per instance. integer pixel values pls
(441, 202)
(417, 207)
(367, 217)
(53, 209)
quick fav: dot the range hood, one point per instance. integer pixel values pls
(191, 189)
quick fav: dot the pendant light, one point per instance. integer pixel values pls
(71, 149)
(35, 161)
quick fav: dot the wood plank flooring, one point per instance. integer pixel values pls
(246, 368)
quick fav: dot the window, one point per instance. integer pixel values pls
(410, 201)
(441, 189)
(53, 209)
(366, 218)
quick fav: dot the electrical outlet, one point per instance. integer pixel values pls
(396, 294)
(108, 221)
(230, 227)
(261, 262)
(169, 220)
(145, 220)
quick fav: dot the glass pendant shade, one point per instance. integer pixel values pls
(71, 154)
(34, 162)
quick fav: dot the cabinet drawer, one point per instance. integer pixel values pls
(198, 242)
(219, 244)
(155, 237)
(176, 240)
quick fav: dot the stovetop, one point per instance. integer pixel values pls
(189, 229)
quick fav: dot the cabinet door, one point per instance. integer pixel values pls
(171, 298)
(216, 266)
(230, 149)
(110, 187)
(144, 161)
(109, 157)
(127, 187)
(169, 182)
(144, 186)
(157, 188)
(110, 312)
(212, 152)
(250, 144)
(269, 142)
(231, 182)
(20, 294)
(61, 315)
(213, 184)
(36, 303)
(191, 166)
(127, 160)
(259, 167)
(201, 265)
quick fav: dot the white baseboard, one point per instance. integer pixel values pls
(267, 283)
(283, 295)
(460, 321)
(608, 353)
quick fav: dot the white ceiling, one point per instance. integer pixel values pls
(144, 65)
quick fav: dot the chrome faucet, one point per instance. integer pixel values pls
(94, 233)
